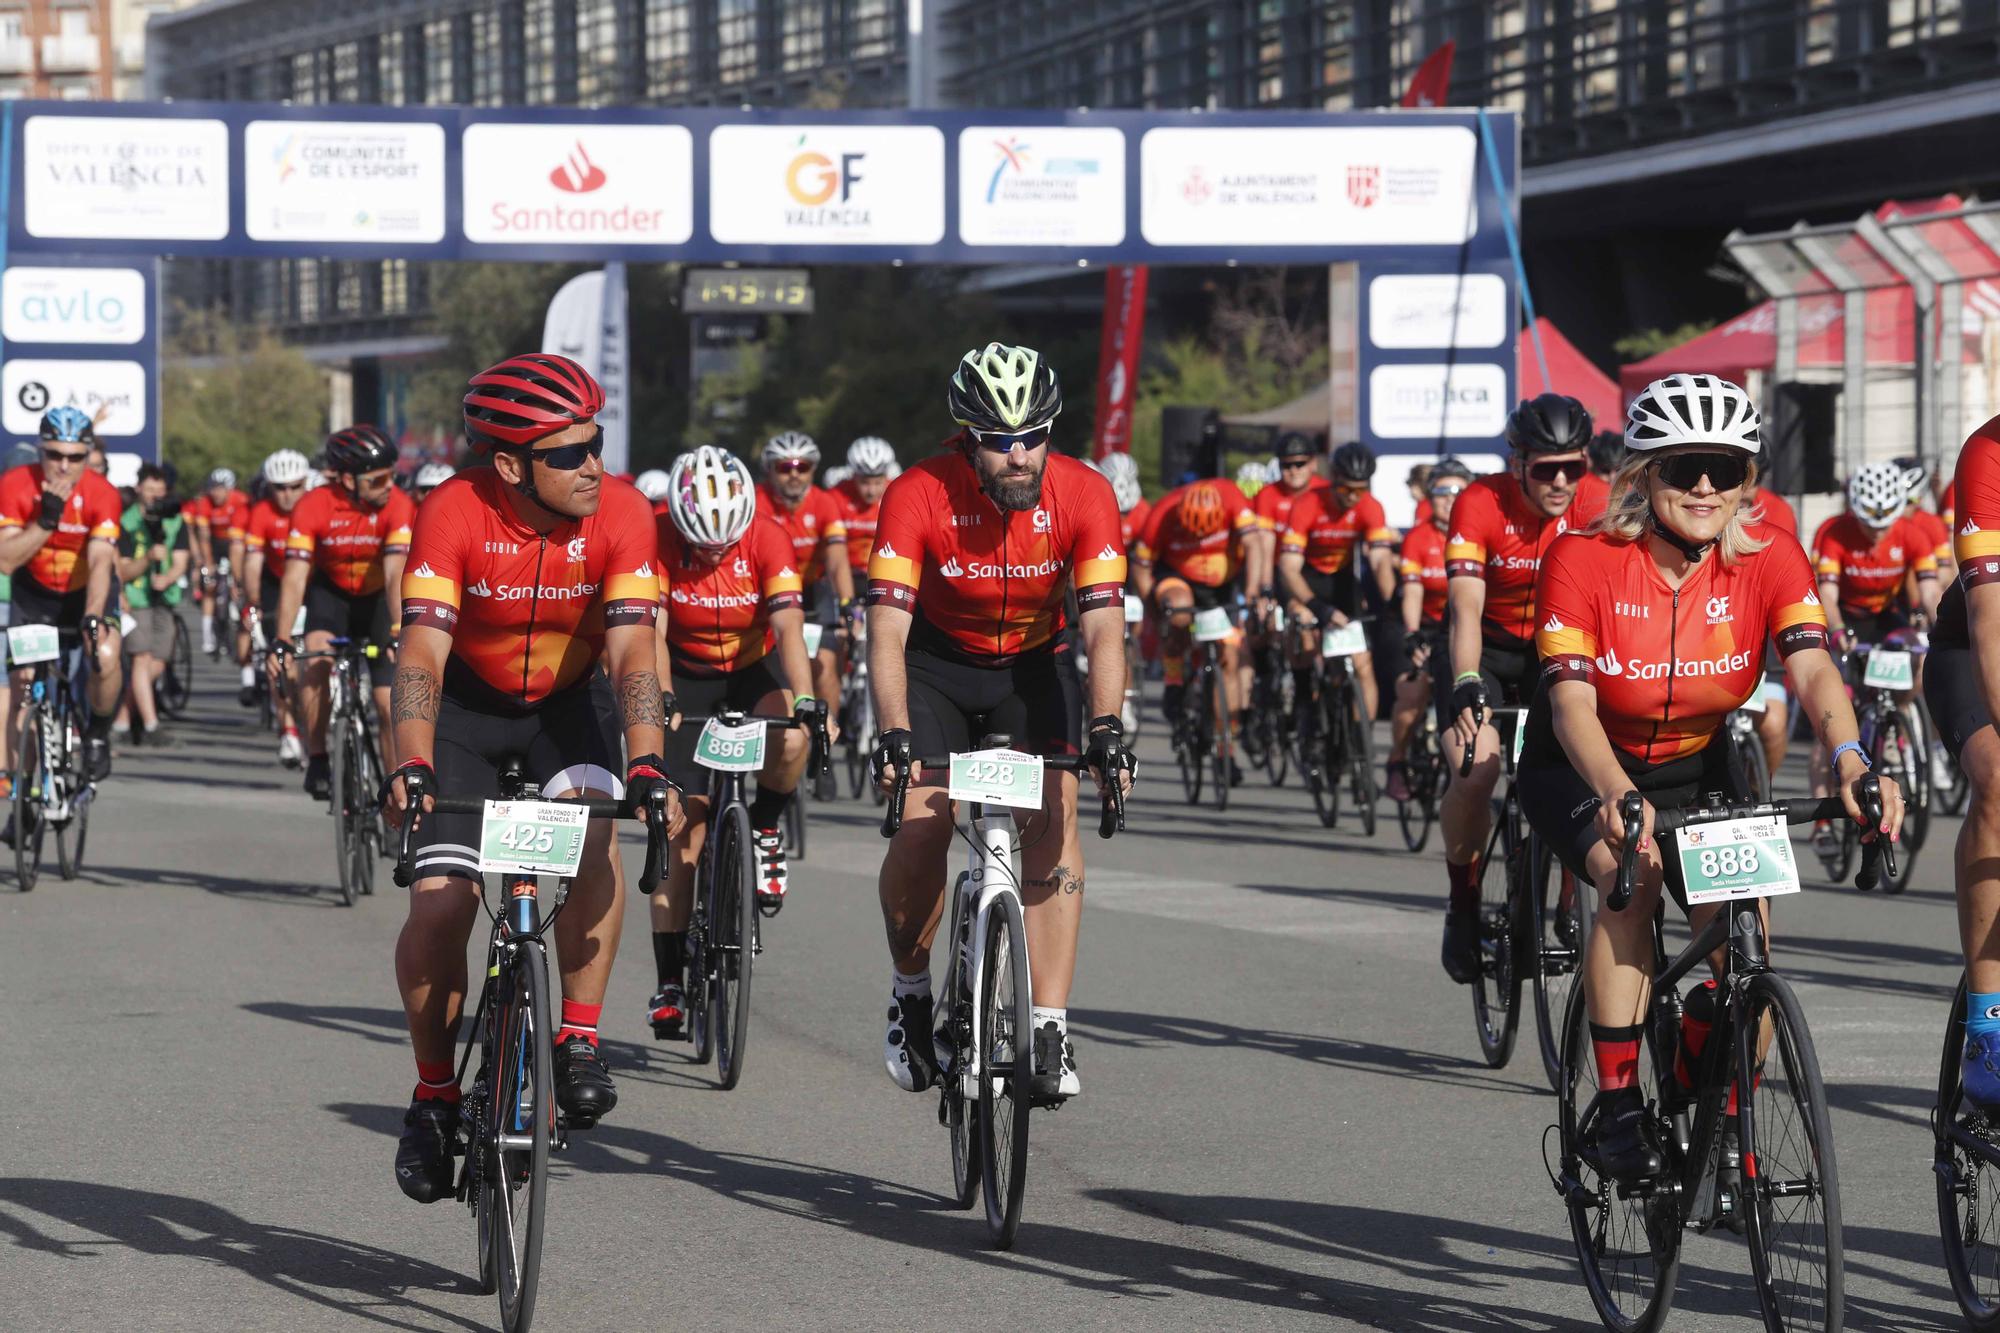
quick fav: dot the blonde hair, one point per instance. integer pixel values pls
(1629, 509)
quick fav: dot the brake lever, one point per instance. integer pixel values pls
(1632, 810)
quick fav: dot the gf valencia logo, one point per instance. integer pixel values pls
(823, 186)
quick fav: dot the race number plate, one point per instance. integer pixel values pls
(1741, 858)
(1519, 738)
(730, 749)
(1345, 641)
(1888, 670)
(814, 633)
(1135, 610)
(997, 777)
(29, 644)
(1212, 624)
(532, 838)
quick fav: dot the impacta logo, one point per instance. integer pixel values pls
(576, 173)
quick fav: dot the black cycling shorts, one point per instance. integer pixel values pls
(1508, 671)
(1872, 627)
(568, 743)
(1952, 693)
(364, 619)
(701, 695)
(823, 608)
(1036, 701)
(1338, 589)
(36, 605)
(1205, 597)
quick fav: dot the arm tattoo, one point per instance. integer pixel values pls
(1062, 877)
(414, 695)
(639, 700)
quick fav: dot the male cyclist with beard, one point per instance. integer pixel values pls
(967, 637)
(733, 635)
(1501, 527)
(344, 565)
(523, 578)
(814, 524)
(264, 537)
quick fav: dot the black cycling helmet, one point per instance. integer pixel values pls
(1003, 390)
(360, 449)
(1353, 462)
(1607, 450)
(1449, 469)
(1295, 444)
(1550, 423)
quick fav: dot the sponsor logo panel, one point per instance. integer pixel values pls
(73, 305)
(826, 185)
(112, 393)
(596, 184)
(1041, 185)
(117, 177)
(318, 180)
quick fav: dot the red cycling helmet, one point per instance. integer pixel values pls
(527, 397)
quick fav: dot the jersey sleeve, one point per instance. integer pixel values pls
(1411, 568)
(304, 536)
(1097, 548)
(1973, 499)
(777, 582)
(1242, 518)
(102, 511)
(833, 519)
(1471, 523)
(434, 575)
(1372, 524)
(1565, 611)
(896, 564)
(1298, 523)
(20, 498)
(1923, 552)
(1795, 618)
(1829, 556)
(631, 578)
(1149, 531)
(397, 521)
(1266, 505)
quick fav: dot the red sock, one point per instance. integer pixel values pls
(579, 1020)
(1464, 885)
(436, 1082)
(1617, 1052)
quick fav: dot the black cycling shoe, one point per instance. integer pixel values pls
(1625, 1145)
(247, 696)
(1461, 947)
(319, 777)
(424, 1168)
(97, 757)
(909, 1050)
(584, 1089)
(1170, 702)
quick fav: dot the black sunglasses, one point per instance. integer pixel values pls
(569, 457)
(1683, 472)
(58, 456)
(1003, 442)
(1547, 472)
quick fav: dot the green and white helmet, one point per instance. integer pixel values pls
(1001, 389)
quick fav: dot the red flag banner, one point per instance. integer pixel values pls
(1118, 357)
(1431, 84)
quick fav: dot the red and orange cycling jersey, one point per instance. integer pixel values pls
(1975, 541)
(719, 614)
(1210, 559)
(1274, 503)
(1776, 512)
(1133, 522)
(1496, 535)
(266, 532)
(230, 519)
(811, 528)
(1948, 502)
(346, 540)
(859, 521)
(1326, 532)
(526, 610)
(92, 514)
(1423, 565)
(1868, 568)
(1593, 493)
(1935, 533)
(1667, 666)
(987, 586)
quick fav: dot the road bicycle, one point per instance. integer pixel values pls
(984, 1037)
(354, 755)
(724, 933)
(857, 715)
(1423, 769)
(1202, 742)
(1749, 767)
(222, 612)
(1761, 1163)
(1507, 929)
(174, 687)
(1335, 741)
(508, 1119)
(1267, 729)
(1895, 748)
(53, 792)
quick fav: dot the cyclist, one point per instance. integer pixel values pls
(733, 635)
(1295, 456)
(1763, 505)
(522, 578)
(1418, 482)
(344, 560)
(1329, 536)
(1501, 527)
(1134, 509)
(285, 474)
(871, 466)
(429, 477)
(1422, 607)
(1607, 453)
(652, 484)
(216, 518)
(1917, 478)
(1652, 627)
(813, 523)
(59, 525)
(975, 552)
(1198, 533)
(153, 560)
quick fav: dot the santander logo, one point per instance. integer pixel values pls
(577, 174)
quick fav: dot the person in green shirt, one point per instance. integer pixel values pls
(153, 556)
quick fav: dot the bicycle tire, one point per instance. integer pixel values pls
(1752, 768)
(1496, 993)
(795, 824)
(1968, 1191)
(1219, 751)
(1558, 964)
(734, 931)
(359, 807)
(79, 827)
(340, 762)
(700, 990)
(524, 1108)
(176, 680)
(1636, 1293)
(1896, 744)
(1361, 769)
(1192, 764)
(1796, 1178)
(1322, 755)
(68, 864)
(1008, 1060)
(956, 1112)
(28, 822)
(1416, 815)
(1278, 744)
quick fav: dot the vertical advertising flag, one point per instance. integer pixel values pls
(1431, 84)
(1118, 357)
(587, 323)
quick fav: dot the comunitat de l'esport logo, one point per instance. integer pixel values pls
(822, 185)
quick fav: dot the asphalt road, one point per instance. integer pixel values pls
(1285, 1121)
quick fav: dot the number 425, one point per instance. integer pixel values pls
(527, 838)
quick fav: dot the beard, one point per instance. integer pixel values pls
(1018, 493)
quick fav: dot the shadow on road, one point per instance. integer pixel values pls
(228, 886)
(358, 1280)
(1885, 1101)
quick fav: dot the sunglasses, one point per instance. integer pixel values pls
(58, 456)
(1684, 472)
(793, 467)
(1547, 473)
(1289, 463)
(569, 457)
(1443, 491)
(292, 486)
(1004, 442)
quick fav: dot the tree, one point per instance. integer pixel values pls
(231, 397)
(1642, 343)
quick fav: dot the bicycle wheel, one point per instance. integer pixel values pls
(1794, 1213)
(1272, 712)
(1968, 1185)
(1897, 756)
(1220, 755)
(29, 825)
(1496, 995)
(1322, 754)
(700, 989)
(341, 762)
(1361, 767)
(1008, 1062)
(734, 930)
(357, 810)
(956, 1112)
(1419, 812)
(795, 824)
(1748, 765)
(1186, 754)
(175, 681)
(1564, 913)
(1628, 1244)
(522, 1121)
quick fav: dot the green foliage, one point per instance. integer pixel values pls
(230, 398)
(1642, 343)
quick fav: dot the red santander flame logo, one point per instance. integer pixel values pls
(577, 174)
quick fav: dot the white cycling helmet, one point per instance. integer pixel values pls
(222, 476)
(434, 474)
(1123, 474)
(834, 475)
(1693, 409)
(871, 456)
(653, 483)
(1916, 477)
(286, 467)
(1251, 478)
(710, 497)
(788, 445)
(1877, 494)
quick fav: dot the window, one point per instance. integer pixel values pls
(437, 61)
(803, 35)
(347, 72)
(486, 56)
(390, 66)
(538, 41)
(12, 25)
(73, 24)
(597, 52)
(871, 29)
(736, 41)
(395, 286)
(669, 57)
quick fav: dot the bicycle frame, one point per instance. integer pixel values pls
(989, 876)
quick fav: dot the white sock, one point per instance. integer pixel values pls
(1043, 1017)
(918, 985)
(249, 675)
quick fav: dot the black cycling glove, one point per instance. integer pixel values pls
(893, 749)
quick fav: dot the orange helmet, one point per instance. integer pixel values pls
(1201, 510)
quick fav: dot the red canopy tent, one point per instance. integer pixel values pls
(1572, 373)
